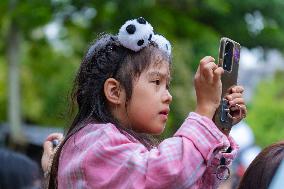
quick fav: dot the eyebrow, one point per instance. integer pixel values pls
(159, 74)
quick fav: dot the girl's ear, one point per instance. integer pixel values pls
(113, 91)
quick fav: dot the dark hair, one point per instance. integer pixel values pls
(17, 170)
(262, 169)
(107, 58)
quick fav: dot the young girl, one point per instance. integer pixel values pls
(122, 92)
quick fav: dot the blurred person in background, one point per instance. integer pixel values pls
(262, 169)
(17, 171)
(278, 181)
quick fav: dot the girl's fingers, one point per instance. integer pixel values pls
(241, 110)
(203, 66)
(233, 96)
(235, 101)
(217, 74)
(207, 70)
(207, 59)
(238, 112)
(238, 108)
(244, 111)
(197, 74)
(236, 89)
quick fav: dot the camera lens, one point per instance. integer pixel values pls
(228, 54)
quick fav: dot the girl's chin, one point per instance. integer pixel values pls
(158, 131)
(153, 131)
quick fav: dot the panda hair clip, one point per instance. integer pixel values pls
(137, 33)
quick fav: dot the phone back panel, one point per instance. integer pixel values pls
(229, 78)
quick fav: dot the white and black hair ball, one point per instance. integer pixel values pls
(162, 43)
(135, 34)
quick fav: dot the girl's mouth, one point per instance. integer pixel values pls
(164, 112)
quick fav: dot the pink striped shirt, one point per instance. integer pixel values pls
(99, 156)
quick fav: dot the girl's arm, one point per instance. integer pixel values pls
(201, 145)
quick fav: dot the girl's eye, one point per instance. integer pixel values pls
(157, 82)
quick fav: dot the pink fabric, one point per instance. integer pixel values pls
(99, 156)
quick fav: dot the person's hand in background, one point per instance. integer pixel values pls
(49, 145)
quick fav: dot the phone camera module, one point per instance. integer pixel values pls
(228, 56)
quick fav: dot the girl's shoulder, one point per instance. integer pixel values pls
(92, 136)
(97, 130)
(99, 127)
(100, 133)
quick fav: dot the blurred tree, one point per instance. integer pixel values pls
(16, 26)
(266, 115)
(13, 52)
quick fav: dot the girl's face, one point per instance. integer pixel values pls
(148, 109)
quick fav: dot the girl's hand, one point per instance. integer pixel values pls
(208, 86)
(49, 149)
(236, 103)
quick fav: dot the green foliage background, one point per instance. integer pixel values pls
(193, 26)
(266, 115)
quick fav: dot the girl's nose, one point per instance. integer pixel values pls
(167, 97)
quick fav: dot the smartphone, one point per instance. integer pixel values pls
(229, 56)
